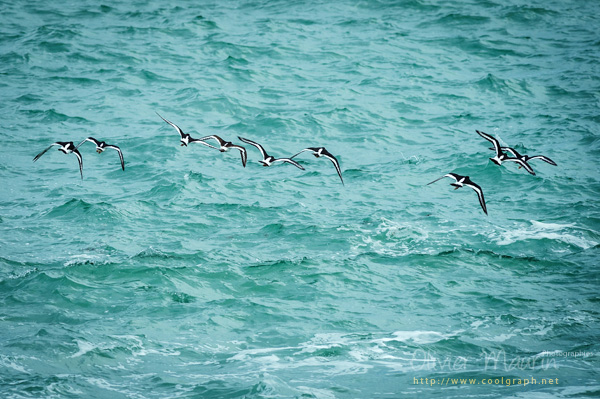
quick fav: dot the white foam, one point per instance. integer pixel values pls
(84, 347)
(553, 231)
(417, 337)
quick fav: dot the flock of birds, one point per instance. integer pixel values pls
(68, 147)
(501, 156)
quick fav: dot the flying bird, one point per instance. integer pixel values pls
(101, 146)
(501, 155)
(527, 158)
(226, 145)
(461, 181)
(66, 147)
(185, 138)
(321, 151)
(268, 160)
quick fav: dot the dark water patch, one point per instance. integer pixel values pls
(74, 81)
(222, 389)
(503, 86)
(76, 208)
(528, 14)
(13, 57)
(455, 20)
(52, 116)
(54, 47)
(121, 58)
(29, 99)
(478, 47)
(235, 61)
(163, 190)
(84, 57)
(205, 23)
(54, 32)
(181, 297)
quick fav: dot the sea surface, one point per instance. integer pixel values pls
(188, 275)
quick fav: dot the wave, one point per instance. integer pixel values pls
(554, 232)
(75, 208)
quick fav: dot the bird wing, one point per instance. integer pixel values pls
(214, 137)
(114, 147)
(306, 149)
(243, 153)
(172, 124)
(202, 142)
(512, 151)
(43, 152)
(93, 140)
(290, 161)
(452, 175)
(333, 159)
(544, 158)
(522, 163)
(492, 140)
(80, 159)
(260, 147)
(479, 192)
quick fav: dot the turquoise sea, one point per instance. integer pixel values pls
(189, 276)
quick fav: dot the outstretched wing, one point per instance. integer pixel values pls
(43, 152)
(76, 152)
(260, 147)
(452, 175)
(306, 149)
(544, 158)
(172, 124)
(522, 163)
(512, 151)
(479, 192)
(242, 153)
(214, 137)
(492, 140)
(114, 147)
(93, 140)
(333, 159)
(202, 142)
(290, 161)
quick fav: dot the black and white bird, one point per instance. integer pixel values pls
(185, 138)
(461, 181)
(101, 146)
(321, 151)
(226, 145)
(66, 147)
(268, 160)
(501, 156)
(527, 158)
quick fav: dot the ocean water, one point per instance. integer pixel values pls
(190, 276)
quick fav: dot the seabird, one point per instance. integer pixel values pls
(465, 181)
(501, 155)
(101, 146)
(321, 151)
(527, 158)
(185, 138)
(267, 159)
(66, 147)
(226, 145)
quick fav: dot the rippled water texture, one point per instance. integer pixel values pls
(188, 275)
